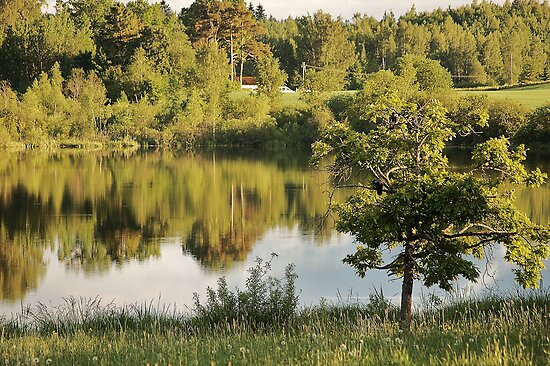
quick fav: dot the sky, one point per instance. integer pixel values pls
(281, 9)
(346, 8)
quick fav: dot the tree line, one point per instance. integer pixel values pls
(140, 73)
(105, 71)
(480, 44)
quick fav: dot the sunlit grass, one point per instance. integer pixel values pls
(285, 99)
(531, 96)
(492, 331)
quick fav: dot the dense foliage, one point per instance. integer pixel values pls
(138, 73)
(99, 71)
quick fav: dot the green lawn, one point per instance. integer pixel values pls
(531, 96)
(286, 99)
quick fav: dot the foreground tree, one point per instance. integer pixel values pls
(433, 220)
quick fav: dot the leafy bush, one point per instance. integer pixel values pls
(248, 106)
(425, 74)
(250, 131)
(5, 137)
(341, 106)
(300, 126)
(536, 132)
(504, 117)
(264, 301)
(135, 121)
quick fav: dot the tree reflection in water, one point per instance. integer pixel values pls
(103, 209)
(99, 210)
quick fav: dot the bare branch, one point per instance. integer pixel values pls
(468, 227)
(326, 215)
(480, 234)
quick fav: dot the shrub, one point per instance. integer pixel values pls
(264, 301)
(536, 131)
(302, 126)
(504, 117)
(5, 137)
(341, 106)
(427, 75)
(247, 132)
(248, 106)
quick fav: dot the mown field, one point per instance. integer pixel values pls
(531, 96)
(496, 331)
(286, 99)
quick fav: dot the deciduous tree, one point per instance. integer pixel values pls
(270, 76)
(324, 46)
(433, 221)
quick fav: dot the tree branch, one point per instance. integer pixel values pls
(391, 265)
(479, 234)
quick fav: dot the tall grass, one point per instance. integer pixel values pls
(497, 330)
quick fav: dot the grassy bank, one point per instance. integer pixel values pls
(493, 331)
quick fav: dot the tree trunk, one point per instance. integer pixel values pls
(241, 76)
(406, 290)
(242, 55)
(232, 59)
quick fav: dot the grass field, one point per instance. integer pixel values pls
(285, 100)
(531, 96)
(497, 331)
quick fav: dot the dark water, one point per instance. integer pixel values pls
(158, 226)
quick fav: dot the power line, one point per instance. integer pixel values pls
(305, 66)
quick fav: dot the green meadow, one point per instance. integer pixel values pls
(531, 96)
(285, 99)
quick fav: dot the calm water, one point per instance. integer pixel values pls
(159, 226)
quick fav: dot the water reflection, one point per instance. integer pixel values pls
(131, 227)
(101, 210)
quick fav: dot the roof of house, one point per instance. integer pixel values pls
(249, 80)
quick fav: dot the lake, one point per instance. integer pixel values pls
(155, 227)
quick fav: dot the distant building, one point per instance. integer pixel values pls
(249, 83)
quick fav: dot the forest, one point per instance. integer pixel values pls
(100, 72)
